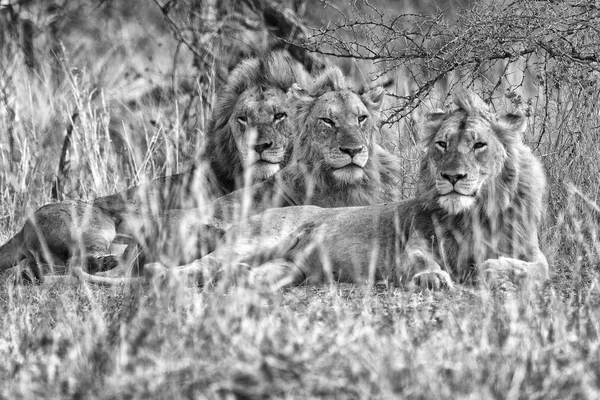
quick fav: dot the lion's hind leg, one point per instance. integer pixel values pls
(285, 263)
(276, 267)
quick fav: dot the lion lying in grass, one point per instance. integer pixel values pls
(335, 162)
(475, 217)
(249, 133)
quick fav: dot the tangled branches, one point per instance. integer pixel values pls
(495, 46)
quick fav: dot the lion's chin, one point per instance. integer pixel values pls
(349, 174)
(456, 203)
(262, 170)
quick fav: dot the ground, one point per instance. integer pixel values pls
(335, 341)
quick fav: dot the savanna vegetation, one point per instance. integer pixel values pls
(98, 96)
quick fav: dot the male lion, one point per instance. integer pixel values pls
(476, 215)
(335, 162)
(248, 140)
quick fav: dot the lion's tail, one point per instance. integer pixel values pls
(10, 252)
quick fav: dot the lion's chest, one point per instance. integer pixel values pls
(460, 244)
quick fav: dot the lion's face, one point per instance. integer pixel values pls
(340, 126)
(466, 155)
(262, 132)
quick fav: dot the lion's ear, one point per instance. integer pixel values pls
(432, 121)
(513, 121)
(512, 125)
(296, 93)
(373, 99)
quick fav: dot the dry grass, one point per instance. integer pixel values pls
(338, 341)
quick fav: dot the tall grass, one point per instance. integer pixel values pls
(338, 341)
(334, 341)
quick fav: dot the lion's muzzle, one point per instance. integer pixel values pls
(457, 191)
(457, 184)
(339, 157)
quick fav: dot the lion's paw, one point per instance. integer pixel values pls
(26, 277)
(155, 271)
(435, 279)
(502, 272)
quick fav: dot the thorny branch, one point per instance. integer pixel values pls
(541, 37)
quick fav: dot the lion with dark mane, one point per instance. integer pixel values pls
(475, 217)
(249, 139)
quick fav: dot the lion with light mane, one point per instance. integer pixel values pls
(249, 139)
(475, 217)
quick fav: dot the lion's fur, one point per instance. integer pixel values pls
(418, 240)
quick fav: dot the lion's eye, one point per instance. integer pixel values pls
(441, 144)
(479, 145)
(362, 118)
(328, 121)
(242, 119)
(279, 116)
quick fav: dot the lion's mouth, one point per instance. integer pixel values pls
(265, 162)
(263, 169)
(349, 173)
(455, 193)
(350, 166)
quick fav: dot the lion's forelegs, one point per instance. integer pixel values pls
(206, 270)
(499, 271)
(420, 267)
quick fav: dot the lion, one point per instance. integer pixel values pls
(335, 162)
(249, 139)
(475, 218)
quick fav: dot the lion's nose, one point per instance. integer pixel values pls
(259, 148)
(454, 177)
(351, 151)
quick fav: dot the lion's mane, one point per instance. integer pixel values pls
(309, 178)
(272, 71)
